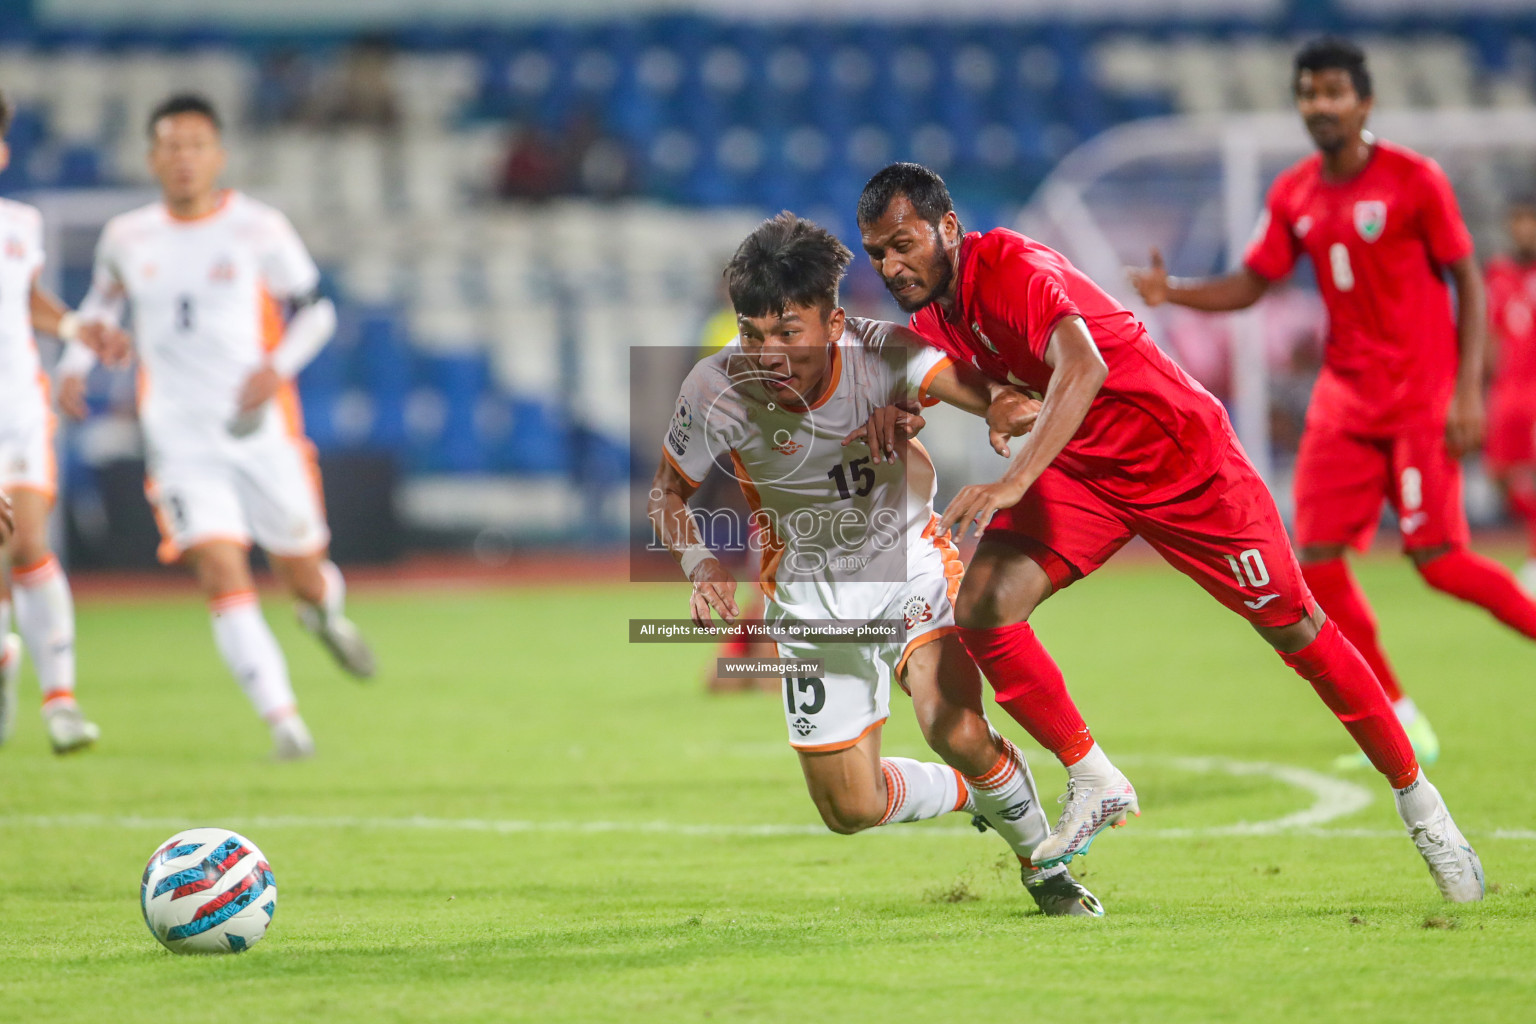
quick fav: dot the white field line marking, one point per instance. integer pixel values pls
(1333, 798)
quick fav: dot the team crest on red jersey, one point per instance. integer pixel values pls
(976, 330)
(1370, 218)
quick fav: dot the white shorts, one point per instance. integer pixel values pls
(852, 697)
(264, 488)
(26, 451)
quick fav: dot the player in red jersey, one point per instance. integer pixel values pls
(1399, 400)
(1511, 451)
(1125, 444)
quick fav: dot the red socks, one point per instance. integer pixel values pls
(1029, 686)
(1520, 496)
(1344, 602)
(1484, 582)
(1343, 679)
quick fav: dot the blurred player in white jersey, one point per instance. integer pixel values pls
(848, 535)
(44, 610)
(209, 274)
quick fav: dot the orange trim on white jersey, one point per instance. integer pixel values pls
(912, 645)
(837, 375)
(922, 389)
(691, 482)
(773, 547)
(828, 748)
(218, 208)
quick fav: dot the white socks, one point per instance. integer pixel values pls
(251, 652)
(1418, 802)
(45, 618)
(1006, 797)
(1093, 767)
(335, 598)
(916, 790)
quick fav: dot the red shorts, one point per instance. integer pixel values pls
(1511, 431)
(1226, 535)
(1342, 479)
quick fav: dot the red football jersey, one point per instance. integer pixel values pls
(1379, 243)
(1512, 317)
(1152, 432)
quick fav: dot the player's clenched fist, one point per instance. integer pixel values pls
(977, 503)
(714, 588)
(1151, 283)
(1011, 414)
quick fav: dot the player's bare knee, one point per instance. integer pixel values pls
(1423, 556)
(1292, 638)
(29, 545)
(846, 815)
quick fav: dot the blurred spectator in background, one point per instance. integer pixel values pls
(1511, 447)
(582, 160)
(361, 92)
(532, 169)
(285, 86)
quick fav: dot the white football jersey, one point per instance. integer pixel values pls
(837, 529)
(22, 392)
(205, 300)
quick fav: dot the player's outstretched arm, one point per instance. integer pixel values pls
(1009, 411)
(49, 315)
(1077, 373)
(1466, 421)
(1237, 290)
(714, 588)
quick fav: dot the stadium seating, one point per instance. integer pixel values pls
(477, 334)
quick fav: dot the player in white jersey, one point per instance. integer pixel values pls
(208, 273)
(848, 538)
(44, 609)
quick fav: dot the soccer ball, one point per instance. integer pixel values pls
(208, 890)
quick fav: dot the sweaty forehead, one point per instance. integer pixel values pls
(898, 219)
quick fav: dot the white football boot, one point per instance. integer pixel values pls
(291, 740)
(342, 638)
(1091, 807)
(10, 673)
(1453, 864)
(68, 729)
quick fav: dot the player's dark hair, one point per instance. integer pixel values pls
(924, 189)
(5, 114)
(1332, 53)
(183, 103)
(787, 261)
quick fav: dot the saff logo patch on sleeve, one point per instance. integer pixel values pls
(1370, 218)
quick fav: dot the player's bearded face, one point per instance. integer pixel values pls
(1330, 108)
(909, 255)
(786, 354)
(925, 279)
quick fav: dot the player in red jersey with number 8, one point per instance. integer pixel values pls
(1125, 444)
(1399, 399)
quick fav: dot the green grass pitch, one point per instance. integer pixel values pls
(526, 818)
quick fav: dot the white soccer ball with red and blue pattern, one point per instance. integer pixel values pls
(208, 890)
